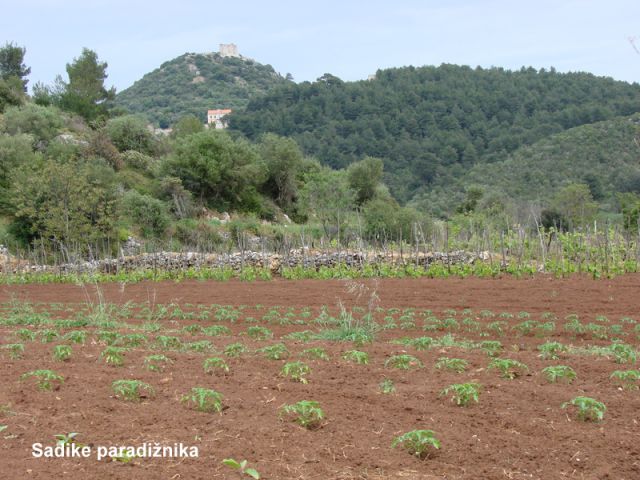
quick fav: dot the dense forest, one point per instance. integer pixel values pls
(473, 147)
(431, 124)
(193, 83)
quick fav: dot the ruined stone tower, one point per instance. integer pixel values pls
(229, 50)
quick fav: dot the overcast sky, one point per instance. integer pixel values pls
(350, 39)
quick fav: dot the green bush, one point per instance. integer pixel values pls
(148, 213)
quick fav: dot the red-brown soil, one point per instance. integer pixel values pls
(517, 431)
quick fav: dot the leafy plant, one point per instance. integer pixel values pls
(627, 378)
(387, 386)
(25, 334)
(157, 363)
(259, 333)
(463, 393)
(306, 413)
(315, 352)
(15, 350)
(76, 336)
(356, 356)
(588, 408)
(241, 467)
(168, 342)
(508, 368)
(403, 362)
(491, 347)
(417, 442)
(297, 371)
(132, 390)
(551, 350)
(214, 365)
(275, 352)
(67, 439)
(234, 349)
(62, 353)
(204, 400)
(457, 365)
(557, 372)
(46, 379)
(623, 353)
(113, 356)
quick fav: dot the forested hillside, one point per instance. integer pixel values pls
(193, 83)
(431, 124)
(605, 156)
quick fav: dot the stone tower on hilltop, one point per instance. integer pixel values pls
(229, 50)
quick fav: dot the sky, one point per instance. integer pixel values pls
(349, 39)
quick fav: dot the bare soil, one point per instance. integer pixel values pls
(517, 431)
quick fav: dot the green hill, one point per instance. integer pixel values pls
(193, 83)
(604, 155)
(431, 125)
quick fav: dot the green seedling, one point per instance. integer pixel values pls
(623, 353)
(296, 371)
(76, 336)
(132, 390)
(157, 363)
(204, 400)
(241, 468)
(48, 336)
(551, 350)
(403, 362)
(46, 379)
(108, 337)
(417, 442)
(216, 331)
(588, 408)
(463, 393)
(15, 350)
(628, 379)
(356, 356)
(559, 372)
(132, 340)
(315, 353)
(234, 349)
(62, 353)
(113, 356)
(199, 346)
(169, 342)
(457, 365)
(387, 386)
(306, 413)
(491, 347)
(215, 365)
(274, 352)
(508, 368)
(67, 439)
(259, 333)
(25, 335)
